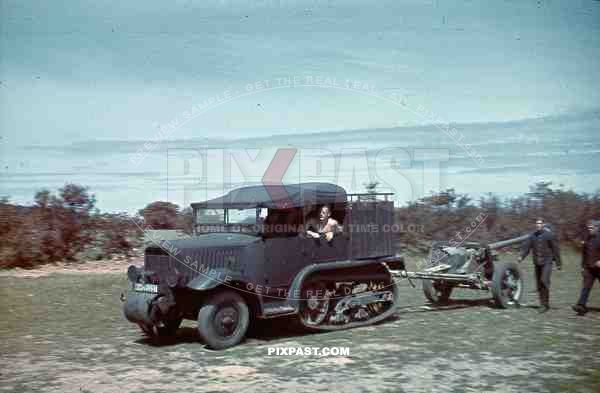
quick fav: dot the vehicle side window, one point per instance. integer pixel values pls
(311, 220)
(323, 222)
(283, 222)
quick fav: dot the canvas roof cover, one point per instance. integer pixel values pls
(277, 196)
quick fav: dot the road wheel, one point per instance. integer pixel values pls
(314, 304)
(436, 292)
(507, 285)
(223, 320)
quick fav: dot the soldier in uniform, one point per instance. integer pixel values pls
(544, 248)
(327, 226)
(590, 264)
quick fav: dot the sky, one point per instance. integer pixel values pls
(75, 72)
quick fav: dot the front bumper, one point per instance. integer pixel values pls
(138, 307)
(146, 302)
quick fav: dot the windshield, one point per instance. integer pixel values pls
(210, 216)
(241, 216)
(227, 216)
(229, 220)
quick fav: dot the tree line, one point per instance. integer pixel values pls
(446, 216)
(67, 226)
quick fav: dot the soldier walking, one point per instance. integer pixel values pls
(590, 264)
(544, 249)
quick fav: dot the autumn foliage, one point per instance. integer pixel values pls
(447, 215)
(67, 227)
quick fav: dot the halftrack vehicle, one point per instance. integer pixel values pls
(250, 257)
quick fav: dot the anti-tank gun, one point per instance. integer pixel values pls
(471, 265)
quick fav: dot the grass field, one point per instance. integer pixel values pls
(66, 333)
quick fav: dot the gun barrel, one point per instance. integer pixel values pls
(508, 242)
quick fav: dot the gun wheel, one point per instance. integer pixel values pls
(436, 292)
(507, 285)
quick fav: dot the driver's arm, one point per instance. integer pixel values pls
(312, 234)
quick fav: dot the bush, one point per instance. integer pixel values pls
(160, 215)
(67, 227)
(445, 214)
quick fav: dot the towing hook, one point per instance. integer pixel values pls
(122, 297)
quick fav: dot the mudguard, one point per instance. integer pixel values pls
(213, 278)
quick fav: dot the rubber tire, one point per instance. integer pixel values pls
(431, 293)
(207, 312)
(499, 270)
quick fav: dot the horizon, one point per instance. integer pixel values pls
(506, 148)
(475, 199)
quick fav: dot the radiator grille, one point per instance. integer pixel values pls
(207, 258)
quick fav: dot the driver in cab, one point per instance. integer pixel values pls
(327, 226)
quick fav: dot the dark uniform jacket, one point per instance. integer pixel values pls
(591, 251)
(543, 246)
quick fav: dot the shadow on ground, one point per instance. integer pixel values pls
(288, 327)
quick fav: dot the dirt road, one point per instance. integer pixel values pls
(66, 333)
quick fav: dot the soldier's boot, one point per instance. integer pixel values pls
(544, 300)
(580, 307)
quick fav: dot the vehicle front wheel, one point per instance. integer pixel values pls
(223, 320)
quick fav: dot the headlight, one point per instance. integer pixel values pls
(133, 274)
